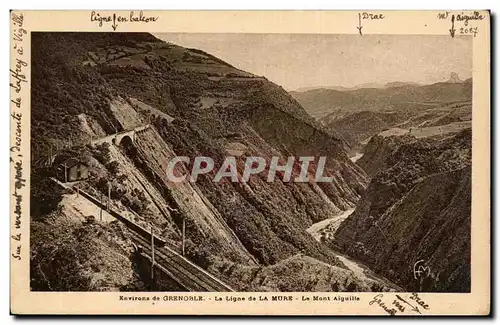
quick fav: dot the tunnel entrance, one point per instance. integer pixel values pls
(125, 141)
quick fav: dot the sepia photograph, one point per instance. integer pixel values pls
(198, 163)
(118, 120)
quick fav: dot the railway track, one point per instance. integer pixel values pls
(182, 271)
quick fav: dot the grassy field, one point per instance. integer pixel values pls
(424, 132)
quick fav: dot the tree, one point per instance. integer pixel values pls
(113, 167)
(45, 194)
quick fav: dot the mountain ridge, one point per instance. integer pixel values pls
(323, 102)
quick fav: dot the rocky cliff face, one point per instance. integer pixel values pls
(415, 213)
(90, 85)
(378, 149)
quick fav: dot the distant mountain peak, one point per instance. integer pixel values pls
(395, 84)
(454, 78)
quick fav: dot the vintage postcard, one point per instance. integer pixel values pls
(250, 162)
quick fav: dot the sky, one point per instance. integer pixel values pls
(314, 60)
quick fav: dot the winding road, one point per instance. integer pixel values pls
(361, 271)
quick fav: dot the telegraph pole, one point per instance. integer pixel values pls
(383, 234)
(183, 235)
(100, 210)
(152, 258)
(50, 157)
(109, 195)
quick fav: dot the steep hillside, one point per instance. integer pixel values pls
(67, 255)
(322, 102)
(88, 85)
(378, 149)
(356, 115)
(417, 207)
(357, 127)
(299, 273)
